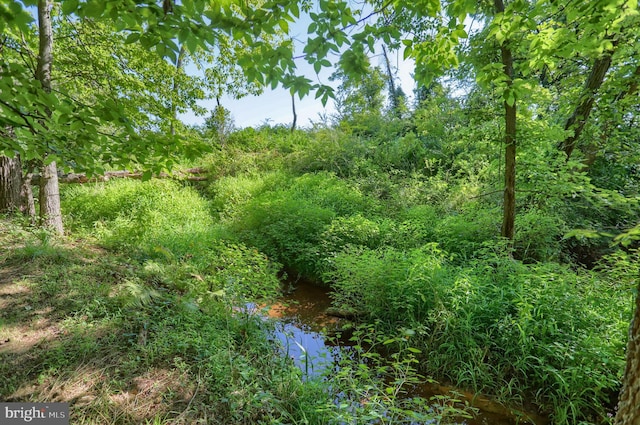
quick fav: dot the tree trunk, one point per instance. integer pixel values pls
(393, 93)
(50, 213)
(629, 402)
(578, 119)
(10, 184)
(176, 87)
(295, 115)
(26, 192)
(509, 203)
(49, 197)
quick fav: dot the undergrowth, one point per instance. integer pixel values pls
(403, 225)
(148, 328)
(406, 232)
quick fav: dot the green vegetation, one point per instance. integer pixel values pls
(410, 250)
(511, 320)
(486, 236)
(149, 327)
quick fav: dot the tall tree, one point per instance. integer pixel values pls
(509, 204)
(49, 196)
(629, 402)
(396, 95)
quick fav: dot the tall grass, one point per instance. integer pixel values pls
(541, 333)
(154, 218)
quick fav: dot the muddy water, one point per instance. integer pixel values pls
(302, 321)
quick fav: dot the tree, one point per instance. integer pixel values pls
(10, 184)
(528, 47)
(49, 196)
(220, 123)
(360, 95)
(397, 98)
(89, 129)
(509, 204)
(629, 400)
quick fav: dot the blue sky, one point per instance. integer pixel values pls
(274, 106)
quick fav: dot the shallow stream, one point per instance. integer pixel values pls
(301, 318)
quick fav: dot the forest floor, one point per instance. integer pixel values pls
(57, 346)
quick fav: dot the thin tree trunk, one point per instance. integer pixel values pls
(295, 115)
(176, 86)
(26, 192)
(393, 94)
(629, 401)
(509, 204)
(50, 212)
(578, 119)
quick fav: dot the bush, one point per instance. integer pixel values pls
(331, 151)
(157, 218)
(537, 236)
(497, 325)
(404, 153)
(229, 194)
(287, 222)
(466, 232)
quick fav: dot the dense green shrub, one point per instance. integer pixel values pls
(495, 324)
(287, 221)
(538, 236)
(156, 218)
(332, 151)
(287, 230)
(404, 153)
(229, 194)
(466, 232)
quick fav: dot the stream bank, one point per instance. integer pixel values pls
(302, 328)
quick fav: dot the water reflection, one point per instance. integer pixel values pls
(307, 349)
(301, 329)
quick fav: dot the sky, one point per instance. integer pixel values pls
(274, 106)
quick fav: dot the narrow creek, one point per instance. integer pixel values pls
(301, 317)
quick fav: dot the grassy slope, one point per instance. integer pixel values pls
(80, 325)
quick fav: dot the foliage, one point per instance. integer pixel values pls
(367, 398)
(98, 116)
(497, 325)
(219, 124)
(286, 222)
(117, 332)
(154, 219)
(400, 215)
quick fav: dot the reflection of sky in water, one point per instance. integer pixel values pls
(304, 310)
(306, 348)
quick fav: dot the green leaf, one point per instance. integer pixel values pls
(132, 38)
(69, 6)
(94, 8)
(284, 25)
(192, 44)
(295, 9)
(408, 51)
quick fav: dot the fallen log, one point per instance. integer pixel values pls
(192, 174)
